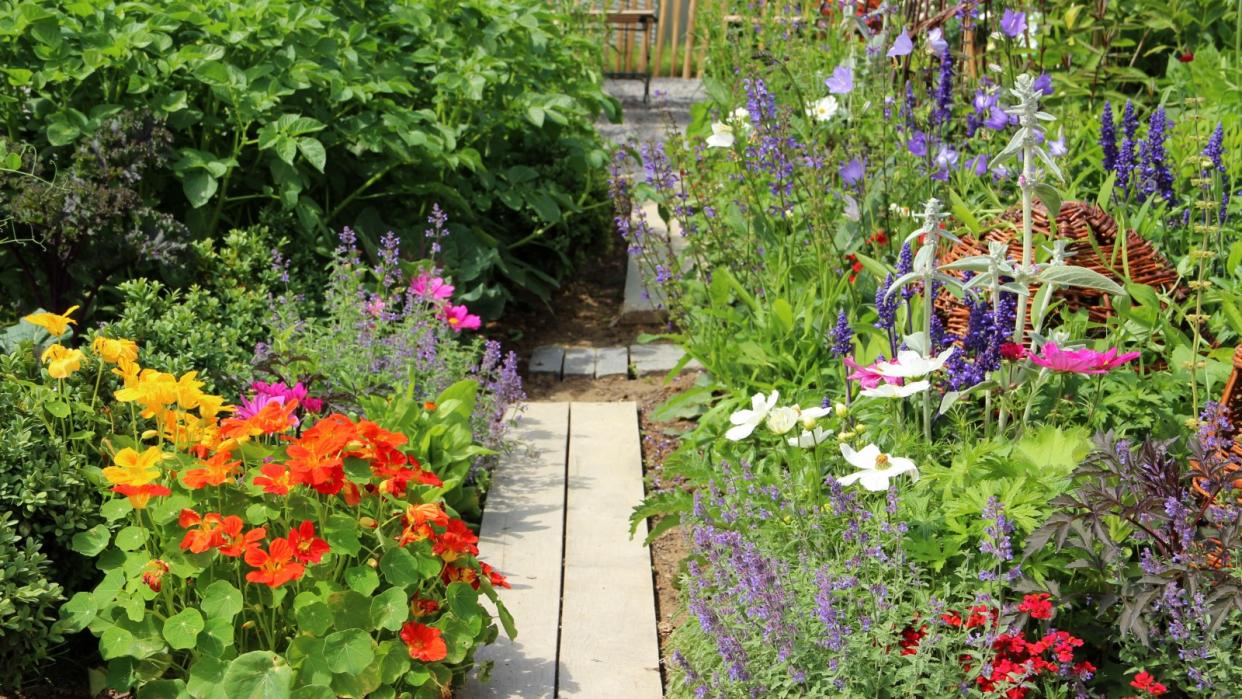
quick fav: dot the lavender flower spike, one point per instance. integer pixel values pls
(842, 337)
(1108, 137)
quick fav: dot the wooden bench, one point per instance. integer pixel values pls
(634, 26)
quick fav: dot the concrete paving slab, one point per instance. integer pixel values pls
(579, 361)
(547, 360)
(612, 361)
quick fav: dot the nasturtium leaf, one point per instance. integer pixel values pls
(115, 642)
(341, 533)
(181, 629)
(314, 617)
(221, 600)
(205, 675)
(389, 609)
(350, 610)
(394, 661)
(463, 600)
(313, 691)
(57, 409)
(362, 579)
(259, 513)
(401, 568)
(357, 684)
(162, 689)
(79, 611)
(506, 620)
(348, 651)
(91, 541)
(131, 538)
(115, 509)
(258, 674)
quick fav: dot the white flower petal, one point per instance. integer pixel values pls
(890, 390)
(850, 479)
(741, 417)
(737, 434)
(864, 459)
(874, 480)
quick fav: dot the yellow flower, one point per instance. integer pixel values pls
(133, 468)
(61, 361)
(210, 406)
(115, 351)
(187, 390)
(55, 325)
(152, 389)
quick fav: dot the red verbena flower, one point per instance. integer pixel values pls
(1145, 682)
(1039, 606)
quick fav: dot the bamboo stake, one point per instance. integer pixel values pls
(661, 35)
(629, 36)
(690, 26)
(673, 40)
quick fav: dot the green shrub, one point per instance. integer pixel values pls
(330, 114)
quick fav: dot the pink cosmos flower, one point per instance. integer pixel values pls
(253, 406)
(459, 318)
(867, 376)
(280, 391)
(431, 287)
(1080, 361)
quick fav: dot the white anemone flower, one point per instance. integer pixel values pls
(722, 136)
(810, 416)
(875, 468)
(745, 421)
(892, 390)
(783, 419)
(910, 364)
(824, 109)
(811, 439)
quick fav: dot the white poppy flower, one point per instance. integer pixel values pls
(722, 136)
(810, 416)
(782, 420)
(811, 439)
(910, 364)
(875, 467)
(892, 390)
(745, 421)
(824, 109)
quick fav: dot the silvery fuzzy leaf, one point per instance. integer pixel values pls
(1052, 166)
(1044, 116)
(1070, 275)
(1043, 298)
(901, 281)
(1015, 144)
(950, 397)
(924, 259)
(949, 281)
(976, 281)
(1015, 289)
(1049, 196)
(974, 263)
(917, 342)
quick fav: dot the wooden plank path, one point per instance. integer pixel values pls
(556, 524)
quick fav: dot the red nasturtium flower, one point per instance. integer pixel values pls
(275, 565)
(456, 541)
(235, 544)
(494, 575)
(421, 607)
(451, 574)
(204, 530)
(1039, 606)
(418, 521)
(215, 471)
(153, 572)
(307, 547)
(910, 638)
(425, 642)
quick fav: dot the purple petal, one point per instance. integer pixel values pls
(902, 46)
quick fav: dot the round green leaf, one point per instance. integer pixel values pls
(92, 541)
(314, 691)
(314, 617)
(115, 642)
(341, 533)
(362, 579)
(350, 610)
(162, 689)
(115, 509)
(258, 674)
(205, 675)
(199, 187)
(389, 609)
(400, 567)
(131, 538)
(181, 629)
(349, 651)
(221, 600)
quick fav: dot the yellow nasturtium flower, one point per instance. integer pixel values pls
(55, 324)
(115, 351)
(151, 389)
(133, 468)
(61, 361)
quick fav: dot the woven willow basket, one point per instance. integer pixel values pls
(1094, 244)
(1231, 399)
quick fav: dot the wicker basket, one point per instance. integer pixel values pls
(1081, 224)
(1231, 399)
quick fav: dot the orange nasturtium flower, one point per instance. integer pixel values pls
(494, 575)
(420, 606)
(274, 418)
(215, 471)
(275, 479)
(55, 324)
(307, 547)
(424, 642)
(418, 521)
(140, 495)
(275, 566)
(133, 468)
(61, 361)
(235, 544)
(116, 351)
(204, 531)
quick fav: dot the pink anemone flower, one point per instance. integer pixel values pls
(1080, 361)
(867, 376)
(459, 318)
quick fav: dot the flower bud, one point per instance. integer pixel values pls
(840, 409)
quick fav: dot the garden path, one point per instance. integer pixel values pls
(556, 524)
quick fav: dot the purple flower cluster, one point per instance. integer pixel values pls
(1156, 177)
(842, 337)
(987, 329)
(1214, 151)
